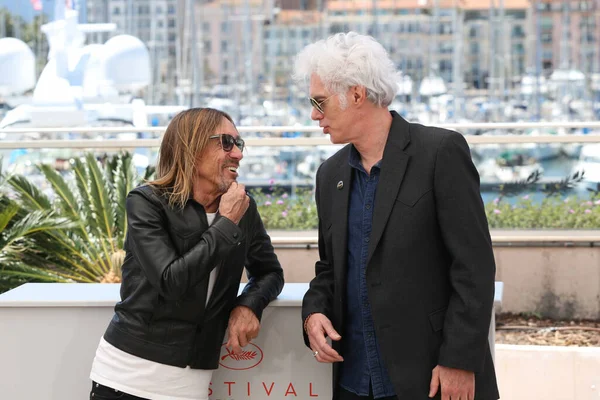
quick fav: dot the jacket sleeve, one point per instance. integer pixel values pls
(319, 296)
(465, 232)
(170, 273)
(265, 275)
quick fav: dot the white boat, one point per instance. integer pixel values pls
(544, 151)
(589, 162)
(405, 86)
(567, 82)
(510, 167)
(530, 84)
(432, 85)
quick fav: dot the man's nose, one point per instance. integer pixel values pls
(315, 115)
(236, 153)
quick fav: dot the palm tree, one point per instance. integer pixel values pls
(76, 236)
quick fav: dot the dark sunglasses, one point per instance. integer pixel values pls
(227, 141)
(318, 105)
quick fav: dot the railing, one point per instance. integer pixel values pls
(305, 141)
(573, 238)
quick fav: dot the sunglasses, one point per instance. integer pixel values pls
(227, 141)
(318, 105)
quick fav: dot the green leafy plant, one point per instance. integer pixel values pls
(282, 211)
(297, 212)
(75, 235)
(554, 212)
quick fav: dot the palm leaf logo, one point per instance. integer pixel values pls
(244, 356)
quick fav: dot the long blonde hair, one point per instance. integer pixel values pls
(185, 138)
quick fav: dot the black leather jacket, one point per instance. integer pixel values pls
(170, 253)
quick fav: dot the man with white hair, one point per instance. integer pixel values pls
(404, 286)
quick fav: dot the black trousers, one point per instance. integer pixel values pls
(101, 392)
(346, 395)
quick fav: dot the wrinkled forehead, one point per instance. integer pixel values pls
(226, 127)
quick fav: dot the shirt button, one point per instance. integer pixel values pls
(368, 206)
(366, 240)
(235, 235)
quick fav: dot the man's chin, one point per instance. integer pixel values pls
(227, 184)
(334, 139)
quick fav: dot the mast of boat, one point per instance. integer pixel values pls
(249, 87)
(595, 26)
(564, 37)
(565, 59)
(236, 60)
(457, 55)
(151, 96)
(434, 30)
(595, 35)
(538, 60)
(184, 77)
(584, 54)
(130, 10)
(504, 50)
(323, 28)
(497, 56)
(197, 60)
(492, 54)
(374, 22)
(179, 77)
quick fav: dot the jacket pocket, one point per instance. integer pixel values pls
(436, 319)
(184, 241)
(410, 199)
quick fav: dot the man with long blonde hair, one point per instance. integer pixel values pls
(191, 232)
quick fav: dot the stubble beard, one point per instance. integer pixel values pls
(224, 182)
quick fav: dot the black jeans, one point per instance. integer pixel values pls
(101, 392)
(346, 395)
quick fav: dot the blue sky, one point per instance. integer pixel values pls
(24, 8)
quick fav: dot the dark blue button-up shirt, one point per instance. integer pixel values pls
(363, 366)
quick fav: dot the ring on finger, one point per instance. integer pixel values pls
(315, 353)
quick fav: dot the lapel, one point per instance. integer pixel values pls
(393, 167)
(340, 199)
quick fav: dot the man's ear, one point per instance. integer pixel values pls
(359, 94)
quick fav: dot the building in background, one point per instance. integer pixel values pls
(199, 46)
(155, 23)
(569, 32)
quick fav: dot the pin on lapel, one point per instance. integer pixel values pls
(340, 185)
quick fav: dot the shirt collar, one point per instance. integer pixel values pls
(354, 160)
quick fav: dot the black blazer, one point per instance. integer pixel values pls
(430, 267)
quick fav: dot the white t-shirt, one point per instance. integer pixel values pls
(137, 376)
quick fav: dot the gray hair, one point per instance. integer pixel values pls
(350, 59)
